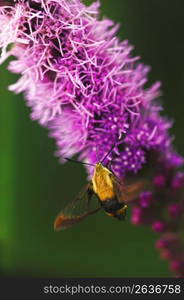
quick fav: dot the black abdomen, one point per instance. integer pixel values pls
(112, 205)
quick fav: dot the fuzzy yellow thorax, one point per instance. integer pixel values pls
(102, 182)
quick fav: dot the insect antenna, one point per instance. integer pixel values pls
(108, 152)
(78, 162)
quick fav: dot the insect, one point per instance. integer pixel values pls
(112, 196)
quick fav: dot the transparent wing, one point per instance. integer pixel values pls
(131, 192)
(77, 210)
(127, 192)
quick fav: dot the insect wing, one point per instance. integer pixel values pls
(127, 192)
(77, 210)
(132, 191)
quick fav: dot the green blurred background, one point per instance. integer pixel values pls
(34, 186)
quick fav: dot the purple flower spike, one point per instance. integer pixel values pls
(178, 180)
(166, 254)
(175, 210)
(73, 65)
(159, 181)
(136, 216)
(145, 199)
(171, 249)
(160, 244)
(168, 240)
(177, 265)
(159, 226)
